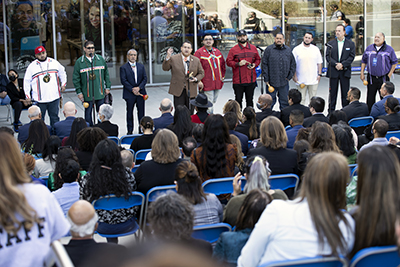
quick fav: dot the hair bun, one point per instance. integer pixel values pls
(192, 175)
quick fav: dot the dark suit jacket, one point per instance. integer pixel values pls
(285, 113)
(128, 80)
(356, 109)
(178, 75)
(244, 140)
(393, 120)
(244, 128)
(347, 57)
(110, 128)
(265, 113)
(163, 121)
(317, 117)
(24, 132)
(63, 128)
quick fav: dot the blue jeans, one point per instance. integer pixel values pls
(53, 108)
(88, 111)
(5, 101)
(282, 94)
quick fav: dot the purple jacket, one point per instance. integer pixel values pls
(385, 58)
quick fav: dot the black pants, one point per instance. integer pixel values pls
(248, 90)
(333, 90)
(374, 87)
(18, 107)
(183, 100)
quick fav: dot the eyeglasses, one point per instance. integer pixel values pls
(90, 47)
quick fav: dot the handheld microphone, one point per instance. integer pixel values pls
(90, 54)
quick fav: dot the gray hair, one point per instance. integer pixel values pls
(257, 174)
(84, 229)
(33, 111)
(107, 111)
(131, 50)
(127, 158)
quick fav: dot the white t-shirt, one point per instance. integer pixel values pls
(285, 231)
(307, 59)
(29, 248)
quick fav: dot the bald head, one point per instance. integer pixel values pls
(166, 105)
(265, 101)
(69, 109)
(83, 219)
(34, 113)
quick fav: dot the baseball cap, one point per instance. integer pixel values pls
(39, 49)
(241, 32)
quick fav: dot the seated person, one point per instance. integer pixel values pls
(296, 120)
(144, 141)
(104, 115)
(201, 105)
(127, 159)
(317, 106)
(189, 144)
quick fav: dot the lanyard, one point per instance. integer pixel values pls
(213, 57)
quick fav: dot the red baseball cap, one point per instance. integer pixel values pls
(39, 49)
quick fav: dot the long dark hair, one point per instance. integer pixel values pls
(64, 154)
(38, 135)
(250, 115)
(214, 141)
(344, 138)
(77, 125)
(107, 175)
(51, 148)
(189, 182)
(182, 125)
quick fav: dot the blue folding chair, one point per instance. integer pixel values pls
(310, 262)
(141, 154)
(210, 232)
(361, 121)
(134, 169)
(352, 168)
(284, 181)
(220, 186)
(112, 202)
(387, 256)
(127, 139)
(115, 139)
(392, 133)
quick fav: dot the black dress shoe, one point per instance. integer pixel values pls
(128, 133)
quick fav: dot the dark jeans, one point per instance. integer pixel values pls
(88, 111)
(374, 87)
(130, 105)
(282, 92)
(333, 91)
(248, 90)
(53, 108)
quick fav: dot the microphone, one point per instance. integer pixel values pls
(262, 50)
(328, 45)
(90, 54)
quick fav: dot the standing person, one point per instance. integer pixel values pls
(44, 80)
(339, 55)
(243, 58)
(133, 78)
(380, 60)
(213, 63)
(360, 36)
(308, 67)
(278, 66)
(234, 16)
(88, 82)
(186, 72)
(4, 98)
(349, 29)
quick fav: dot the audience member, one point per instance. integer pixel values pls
(239, 156)
(34, 113)
(249, 127)
(37, 138)
(256, 171)
(303, 134)
(230, 244)
(161, 169)
(189, 144)
(355, 108)
(166, 117)
(392, 109)
(68, 194)
(197, 133)
(104, 115)
(63, 156)
(144, 141)
(5, 129)
(201, 105)
(386, 91)
(88, 139)
(379, 130)
(207, 208)
(47, 163)
(233, 106)
(294, 96)
(216, 156)
(30, 217)
(323, 189)
(378, 185)
(232, 121)
(171, 218)
(30, 162)
(317, 106)
(344, 140)
(72, 140)
(296, 120)
(63, 128)
(339, 115)
(273, 147)
(264, 103)
(107, 176)
(83, 220)
(127, 159)
(301, 146)
(182, 125)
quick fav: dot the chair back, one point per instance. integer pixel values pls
(58, 256)
(220, 186)
(210, 232)
(284, 181)
(387, 256)
(310, 262)
(115, 139)
(141, 154)
(127, 139)
(361, 121)
(135, 168)
(392, 133)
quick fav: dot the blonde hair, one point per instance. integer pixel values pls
(165, 147)
(239, 158)
(12, 199)
(273, 133)
(233, 106)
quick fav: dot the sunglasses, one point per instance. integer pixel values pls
(90, 47)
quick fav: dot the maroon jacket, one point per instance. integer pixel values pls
(243, 74)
